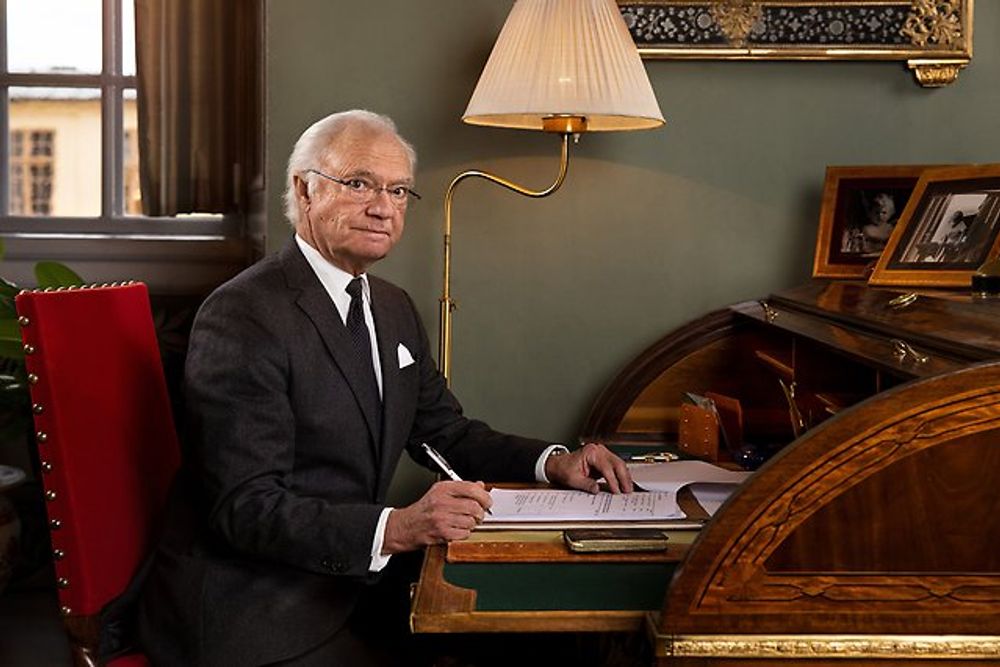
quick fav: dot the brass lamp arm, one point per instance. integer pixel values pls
(447, 305)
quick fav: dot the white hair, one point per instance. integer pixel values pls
(320, 140)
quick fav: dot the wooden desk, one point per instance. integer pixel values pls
(868, 539)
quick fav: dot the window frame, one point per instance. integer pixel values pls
(112, 221)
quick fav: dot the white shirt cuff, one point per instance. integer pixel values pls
(540, 464)
(379, 560)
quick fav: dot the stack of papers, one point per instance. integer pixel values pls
(710, 484)
(657, 501)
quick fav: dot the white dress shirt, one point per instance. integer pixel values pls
(335, 281)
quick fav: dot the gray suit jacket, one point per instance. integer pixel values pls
(269, 531)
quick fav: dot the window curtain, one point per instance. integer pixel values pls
(198, 71)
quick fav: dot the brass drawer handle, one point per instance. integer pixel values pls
(903, 300)
(901, 350)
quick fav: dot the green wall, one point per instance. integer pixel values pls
(651, 228)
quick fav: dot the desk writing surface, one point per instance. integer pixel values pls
(527, 581)
(563, 586)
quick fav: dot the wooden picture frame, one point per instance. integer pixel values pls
(950, 227)
(933, 38)
(861, 206)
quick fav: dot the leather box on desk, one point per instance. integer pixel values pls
(700, 428)
(698, 432)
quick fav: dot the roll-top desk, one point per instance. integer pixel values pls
(875, 532)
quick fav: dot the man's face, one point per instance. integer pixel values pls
(351, 234)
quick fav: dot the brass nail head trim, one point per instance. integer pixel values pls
(50, 495)
(65, 611)
(41, 436)
(32, 378)
(37, 408)
(62, 582)
(58, 554)
(55, 524)
(46, 466)
(23, 320)
(29, 349)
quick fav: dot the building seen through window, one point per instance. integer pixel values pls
(31, 171)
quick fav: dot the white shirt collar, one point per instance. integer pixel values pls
(333, 278)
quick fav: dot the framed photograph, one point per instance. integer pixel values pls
(934, 38)
(861, 206)
(949, 228)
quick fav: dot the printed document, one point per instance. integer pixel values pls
(564, 505)
(657, 502)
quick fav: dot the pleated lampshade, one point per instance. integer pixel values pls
(564, 58)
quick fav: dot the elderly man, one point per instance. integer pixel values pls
(306, 378)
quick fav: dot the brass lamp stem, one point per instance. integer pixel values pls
(447, 305)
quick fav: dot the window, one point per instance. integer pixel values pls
(69, 150)
(31, 171)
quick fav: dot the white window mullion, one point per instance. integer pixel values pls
(110, 163)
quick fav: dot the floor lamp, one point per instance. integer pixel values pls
(560, 66)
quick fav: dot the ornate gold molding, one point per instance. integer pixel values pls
(936, 73)
(900, 647)
(736, 18)
(934, 23)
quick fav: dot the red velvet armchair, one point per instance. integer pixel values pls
(106, 441)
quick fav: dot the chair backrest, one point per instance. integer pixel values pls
(104, 430)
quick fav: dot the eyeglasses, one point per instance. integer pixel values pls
(363, 190)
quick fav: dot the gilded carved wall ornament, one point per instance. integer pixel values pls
(736, 18)
(934, 23)
(933, 37)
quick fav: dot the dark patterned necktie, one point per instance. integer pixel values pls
(361, 338)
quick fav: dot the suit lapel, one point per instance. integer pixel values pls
(316, 304)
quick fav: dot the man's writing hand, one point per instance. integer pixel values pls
(447, 512)
(582, 468)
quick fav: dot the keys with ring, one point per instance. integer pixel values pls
(655, 457)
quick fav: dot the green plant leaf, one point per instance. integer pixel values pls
(54, 274)
(7, 309)
(10, 339)
(8, 289)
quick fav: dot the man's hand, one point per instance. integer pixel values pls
(582, 468)
(447, 512)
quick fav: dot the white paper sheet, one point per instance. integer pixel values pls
(711, 496)
(673, 475)
(562, 505)
(658, 501)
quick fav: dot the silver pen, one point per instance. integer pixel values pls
(445, 468)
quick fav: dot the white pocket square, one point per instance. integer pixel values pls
(405, 358)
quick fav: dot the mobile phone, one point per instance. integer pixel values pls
(592, 540)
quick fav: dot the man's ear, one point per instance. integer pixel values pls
(301, 190)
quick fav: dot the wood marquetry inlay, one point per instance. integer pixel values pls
(740, 576)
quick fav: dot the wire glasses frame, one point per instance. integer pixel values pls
(363, 190)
